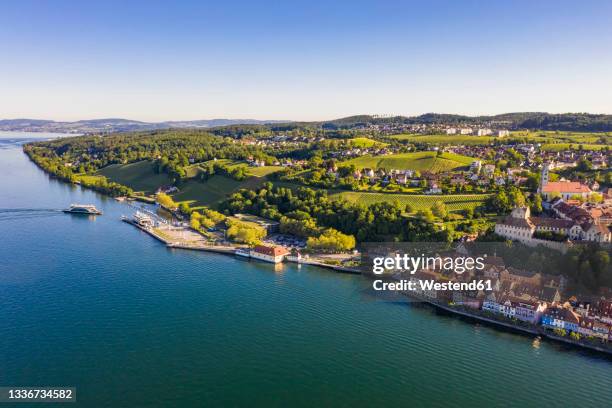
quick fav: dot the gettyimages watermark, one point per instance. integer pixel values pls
(464, 273)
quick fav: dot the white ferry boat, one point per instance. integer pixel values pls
(88, 209)
(143, 219)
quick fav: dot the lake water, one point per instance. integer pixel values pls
(98, 305)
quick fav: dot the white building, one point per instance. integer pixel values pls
(503, 133)
(521, 226)
(273, 254)
(484, 132)
(475, 166)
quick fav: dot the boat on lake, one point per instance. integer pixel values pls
(88, 209)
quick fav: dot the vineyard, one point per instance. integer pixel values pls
(445, 139)
(421, 161)
(417, 202)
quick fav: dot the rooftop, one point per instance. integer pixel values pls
(565, 187)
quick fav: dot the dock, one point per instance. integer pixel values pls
(195, 245)
(337, 268)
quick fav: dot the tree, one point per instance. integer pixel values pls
(195, 224)
(499, 202)
(584, 164)
(468, 213)
(595, 198)
(533, 181)
(439, 209)
(425, 215)
(244, 233)
(331, 240)
(166, 201)
(536, 205)
(185, 209)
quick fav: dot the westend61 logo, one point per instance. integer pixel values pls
(410, 264)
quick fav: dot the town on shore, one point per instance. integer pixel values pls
(313, 192)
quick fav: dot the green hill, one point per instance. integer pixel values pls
(139, 176)
(421, 161)
(213, 190)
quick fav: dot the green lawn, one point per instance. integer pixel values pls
(422, 161)
(214, 190)
(139, 176)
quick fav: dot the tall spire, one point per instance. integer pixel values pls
(544, 176)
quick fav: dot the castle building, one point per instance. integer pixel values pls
(521, 226)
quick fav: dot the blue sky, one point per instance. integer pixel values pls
(302, 60)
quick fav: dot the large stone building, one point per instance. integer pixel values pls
(564, 189)
(521, 226)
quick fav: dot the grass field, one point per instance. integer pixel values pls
(417, 202)
(446, 139)
(139, 176)
(194, 170)
(545, 137)
(362, 142)
(422, 161)
(263, 171)
(555, 147)
(565, 137)
(214, 190)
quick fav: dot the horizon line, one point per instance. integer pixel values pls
(389, 115)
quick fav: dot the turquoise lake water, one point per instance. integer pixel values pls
(99, 305)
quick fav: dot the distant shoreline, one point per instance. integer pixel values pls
(8, 134)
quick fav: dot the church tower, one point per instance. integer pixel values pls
(544, 176)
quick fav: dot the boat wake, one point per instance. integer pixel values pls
(7, 214)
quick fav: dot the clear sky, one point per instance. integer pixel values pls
(302, 60)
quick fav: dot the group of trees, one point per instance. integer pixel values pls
(171, 150)
(588, 267)
(244, 233)
(57, 167)
(331, 240)
(166, 201)
(205, 219)
(505, 200)
(237, 172)
(306, 211)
